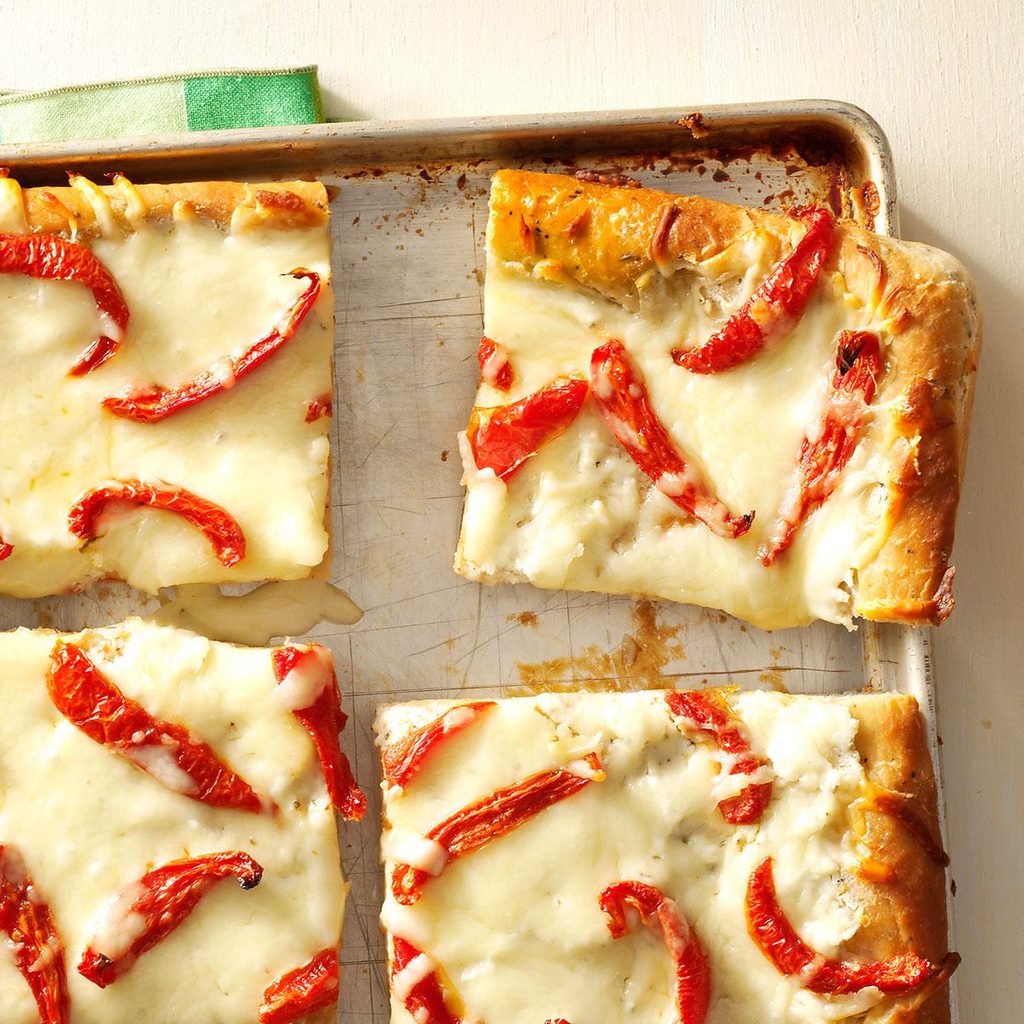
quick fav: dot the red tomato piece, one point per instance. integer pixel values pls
(478, 824)
(495, 369)
(620, 394)
(148, 910)
(660, 914)
(424, 998)
(52, 258)
(708, 713)
(301, 991)
(502, 438)
(154, 402)
(780, 943)
(405, 757)
(219, 527)
(38, 951)
(313, 698)
(164, 750)
(776, 305)
(825, 452)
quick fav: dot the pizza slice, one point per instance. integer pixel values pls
(167, 384)
(757, 412)
(168, 848)
(700, 857)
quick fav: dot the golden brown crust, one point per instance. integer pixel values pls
(279, 206)
(907, 912)
(608, 238)
(933, 361)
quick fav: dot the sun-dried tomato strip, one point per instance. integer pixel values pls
(405, 757)
(620, 394)
(708, 713)
(478, 824)
(38, 950)
(419, 988)
(825, 452)
(898, 807)
(102, 349)
(776, 305)
(166, 751)
(301, 991)
(503, 437)
(660, 914)
(52, 258)
(146, 911)
(780, 943)
(495, 369)
(218, 526)
(154, 402)
(309, 689)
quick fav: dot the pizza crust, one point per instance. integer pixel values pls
(282, 206)
(600, 238)
(909, 912)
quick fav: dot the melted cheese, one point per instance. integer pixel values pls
(517, 926)
(579, 515)
(195, 294)
(89, 824)
(282, 608)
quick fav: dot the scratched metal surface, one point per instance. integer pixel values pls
(408, 223)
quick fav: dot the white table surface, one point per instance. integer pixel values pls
(943, 79)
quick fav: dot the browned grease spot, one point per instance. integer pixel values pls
(444, 455)
(361, 375)
(637, 663)
(774, 673)
(524, 619)
(695, 122)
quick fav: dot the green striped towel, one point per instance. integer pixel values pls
(156, 106)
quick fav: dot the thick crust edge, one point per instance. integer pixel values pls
(908, 912)
(90, 210)
(605, 238)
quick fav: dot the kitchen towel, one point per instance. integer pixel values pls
(156, 106)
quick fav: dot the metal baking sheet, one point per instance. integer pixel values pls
(409, 211)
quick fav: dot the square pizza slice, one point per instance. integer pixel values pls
(751, 411)
(699, 857)
(167, 383)
(143, 771)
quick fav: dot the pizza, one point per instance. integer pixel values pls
(758, 412)
(696, 857)
(167, 385)
(168, 849)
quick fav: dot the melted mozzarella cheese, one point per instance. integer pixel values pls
(516, 925)
(89, 825)
(580, 515)
(195, 293)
